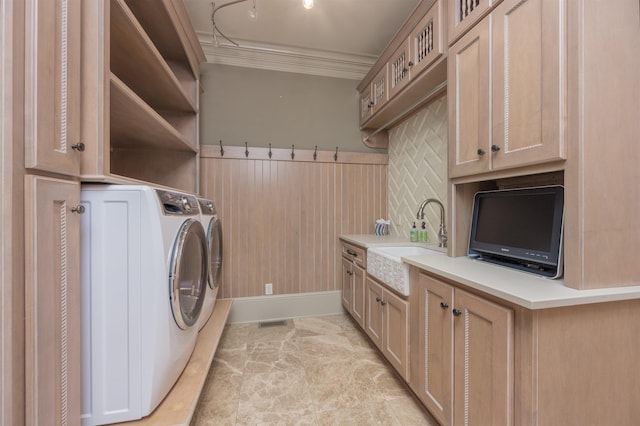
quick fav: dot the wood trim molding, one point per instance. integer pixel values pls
(271, 57)
(300, 155)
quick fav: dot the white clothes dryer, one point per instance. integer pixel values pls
(144, 277)
(213, 229)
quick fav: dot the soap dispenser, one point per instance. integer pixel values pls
(423, 233)
(414, 233)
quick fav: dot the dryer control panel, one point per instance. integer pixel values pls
(175, 203)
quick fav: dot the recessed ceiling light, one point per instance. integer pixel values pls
(308, 4)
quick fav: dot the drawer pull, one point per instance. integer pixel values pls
(352, 253)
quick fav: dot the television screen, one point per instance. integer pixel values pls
(520, 228)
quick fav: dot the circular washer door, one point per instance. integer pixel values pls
(214, 236)
(188, 273)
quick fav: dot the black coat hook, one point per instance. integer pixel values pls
(315, 153)
(335, 156)
(293, 155)
(270, 153)
(221, 149)
(246, 150)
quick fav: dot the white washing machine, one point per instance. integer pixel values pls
(144, 277)
(213, 229)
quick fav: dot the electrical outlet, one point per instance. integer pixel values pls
(268, 288)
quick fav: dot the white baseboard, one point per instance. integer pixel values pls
(285, 306)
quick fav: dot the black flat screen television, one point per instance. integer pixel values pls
(519, 228)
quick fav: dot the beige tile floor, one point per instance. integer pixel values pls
(309, 371)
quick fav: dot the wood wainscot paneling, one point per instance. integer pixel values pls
(281, 217)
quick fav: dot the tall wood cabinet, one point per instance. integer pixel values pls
(516, 52)
(110, 95)
(466, 353)
(52, 123)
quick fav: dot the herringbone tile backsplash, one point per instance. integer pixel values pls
(418, 169)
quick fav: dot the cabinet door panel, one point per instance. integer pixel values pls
(436, 347)
(469, 106)
(399, 69)
(396, 328)
(373, 319)
(463, 14)
(347, 285)
(52, 85)
(427, 40)
(527, 102)
(483, 380)
(52, 295)
(358, 303)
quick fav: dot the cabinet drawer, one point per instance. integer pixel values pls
(357, 254)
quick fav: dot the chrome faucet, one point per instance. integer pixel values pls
(442, 233)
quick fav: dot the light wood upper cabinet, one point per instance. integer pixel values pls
(466, 351)
(400, 68)
(527, 80)
(516, 51)
(464, 14)
(410, 73)
(52, 86)
(426, 40)
(387, 324)
(469, 103)
(52, 294)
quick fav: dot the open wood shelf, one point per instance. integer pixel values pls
(140, 65)
(134, 124)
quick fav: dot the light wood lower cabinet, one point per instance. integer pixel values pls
(353, 290)
(387, 324)
(465, 350)
(52, 294)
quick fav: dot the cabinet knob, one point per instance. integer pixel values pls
(349, 272)
(78, 209)
(382, 302)
(410, 63)
(481, 151)
(78, 146)
(456, 312)
(378, 299)
(495, 148)
(444, 305)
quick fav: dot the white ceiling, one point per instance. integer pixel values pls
(339, 38)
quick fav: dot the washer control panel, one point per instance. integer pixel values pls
(175, 203)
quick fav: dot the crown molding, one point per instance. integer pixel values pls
(252, 54)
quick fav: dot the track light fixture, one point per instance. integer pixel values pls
(253, 15)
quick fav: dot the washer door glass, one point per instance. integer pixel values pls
(188, 279)
(214, 236)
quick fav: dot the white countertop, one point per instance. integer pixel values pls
(521, 288)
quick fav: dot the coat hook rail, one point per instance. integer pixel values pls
(293, 155)
(221, 149)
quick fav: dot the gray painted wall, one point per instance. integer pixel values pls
(260, 107)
